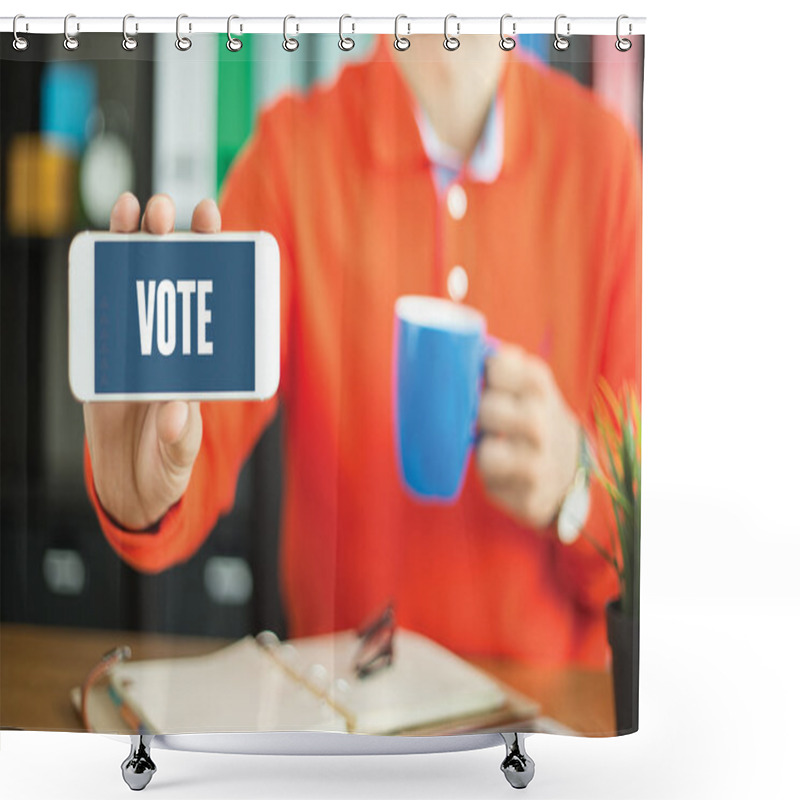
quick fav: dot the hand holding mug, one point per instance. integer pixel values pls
(530, 438)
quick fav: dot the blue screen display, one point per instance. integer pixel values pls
(174, 316)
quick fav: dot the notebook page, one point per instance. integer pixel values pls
(425, 684)
(238, 688)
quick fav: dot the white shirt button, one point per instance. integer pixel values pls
(457, 283)
(457, 201)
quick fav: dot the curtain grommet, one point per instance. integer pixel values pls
(506, 42)
(560, 42)
(20, 43)
(129, 42)
(451, 43)
(233, 44)
(183, 43)
(346, 43)
(71, 42)
(401, 43)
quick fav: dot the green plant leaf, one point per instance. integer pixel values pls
(617, 420)
(609, 557)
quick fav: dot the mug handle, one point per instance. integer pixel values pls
(491, 345)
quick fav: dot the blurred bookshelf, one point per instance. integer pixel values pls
(72, 124)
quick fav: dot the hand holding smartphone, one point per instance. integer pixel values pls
(155, 349)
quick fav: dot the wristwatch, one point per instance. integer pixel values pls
(574, 510)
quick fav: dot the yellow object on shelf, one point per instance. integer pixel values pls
(41, 189)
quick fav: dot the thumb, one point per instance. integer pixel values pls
(179, 426)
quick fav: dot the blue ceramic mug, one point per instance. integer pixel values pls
(439, 352)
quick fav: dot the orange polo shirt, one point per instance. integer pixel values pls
(552, 249)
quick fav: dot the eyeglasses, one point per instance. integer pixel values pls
(376, 644)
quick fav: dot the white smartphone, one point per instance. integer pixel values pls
(191, 316)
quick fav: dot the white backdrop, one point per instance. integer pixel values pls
(721, 546)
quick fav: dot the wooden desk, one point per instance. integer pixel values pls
(39, 666)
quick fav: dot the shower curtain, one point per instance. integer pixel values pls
(433, 527)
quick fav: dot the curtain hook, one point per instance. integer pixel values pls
(451, 43)
(182, 42)
(289, 44)
(20, 42)
(70, 42)
(561, 43)
(128, 42)
(400, 42)
(506, 42)
(345, 42)
(234, 44)
(623, 45)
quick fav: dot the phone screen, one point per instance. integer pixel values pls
(174, 316)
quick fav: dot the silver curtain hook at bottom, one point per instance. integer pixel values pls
(451, 43)
(20, 43)
(345, 42)
(182, 42)
(560, 42)
(128, 42)
(623, 45)
(506, 42)
(233, 44)
(70, 42)
(400, 42)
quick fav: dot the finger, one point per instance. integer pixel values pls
(512, 498)
(180, 428)
(159, 214)
(524, 504)
(504, 370)
(511, 369)
(125, 214)
(504, 462)
(503, 413)
(206, 217)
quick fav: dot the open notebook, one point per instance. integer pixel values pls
(309, 684)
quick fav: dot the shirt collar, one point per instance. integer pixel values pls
(486, 160)
(391, 132)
